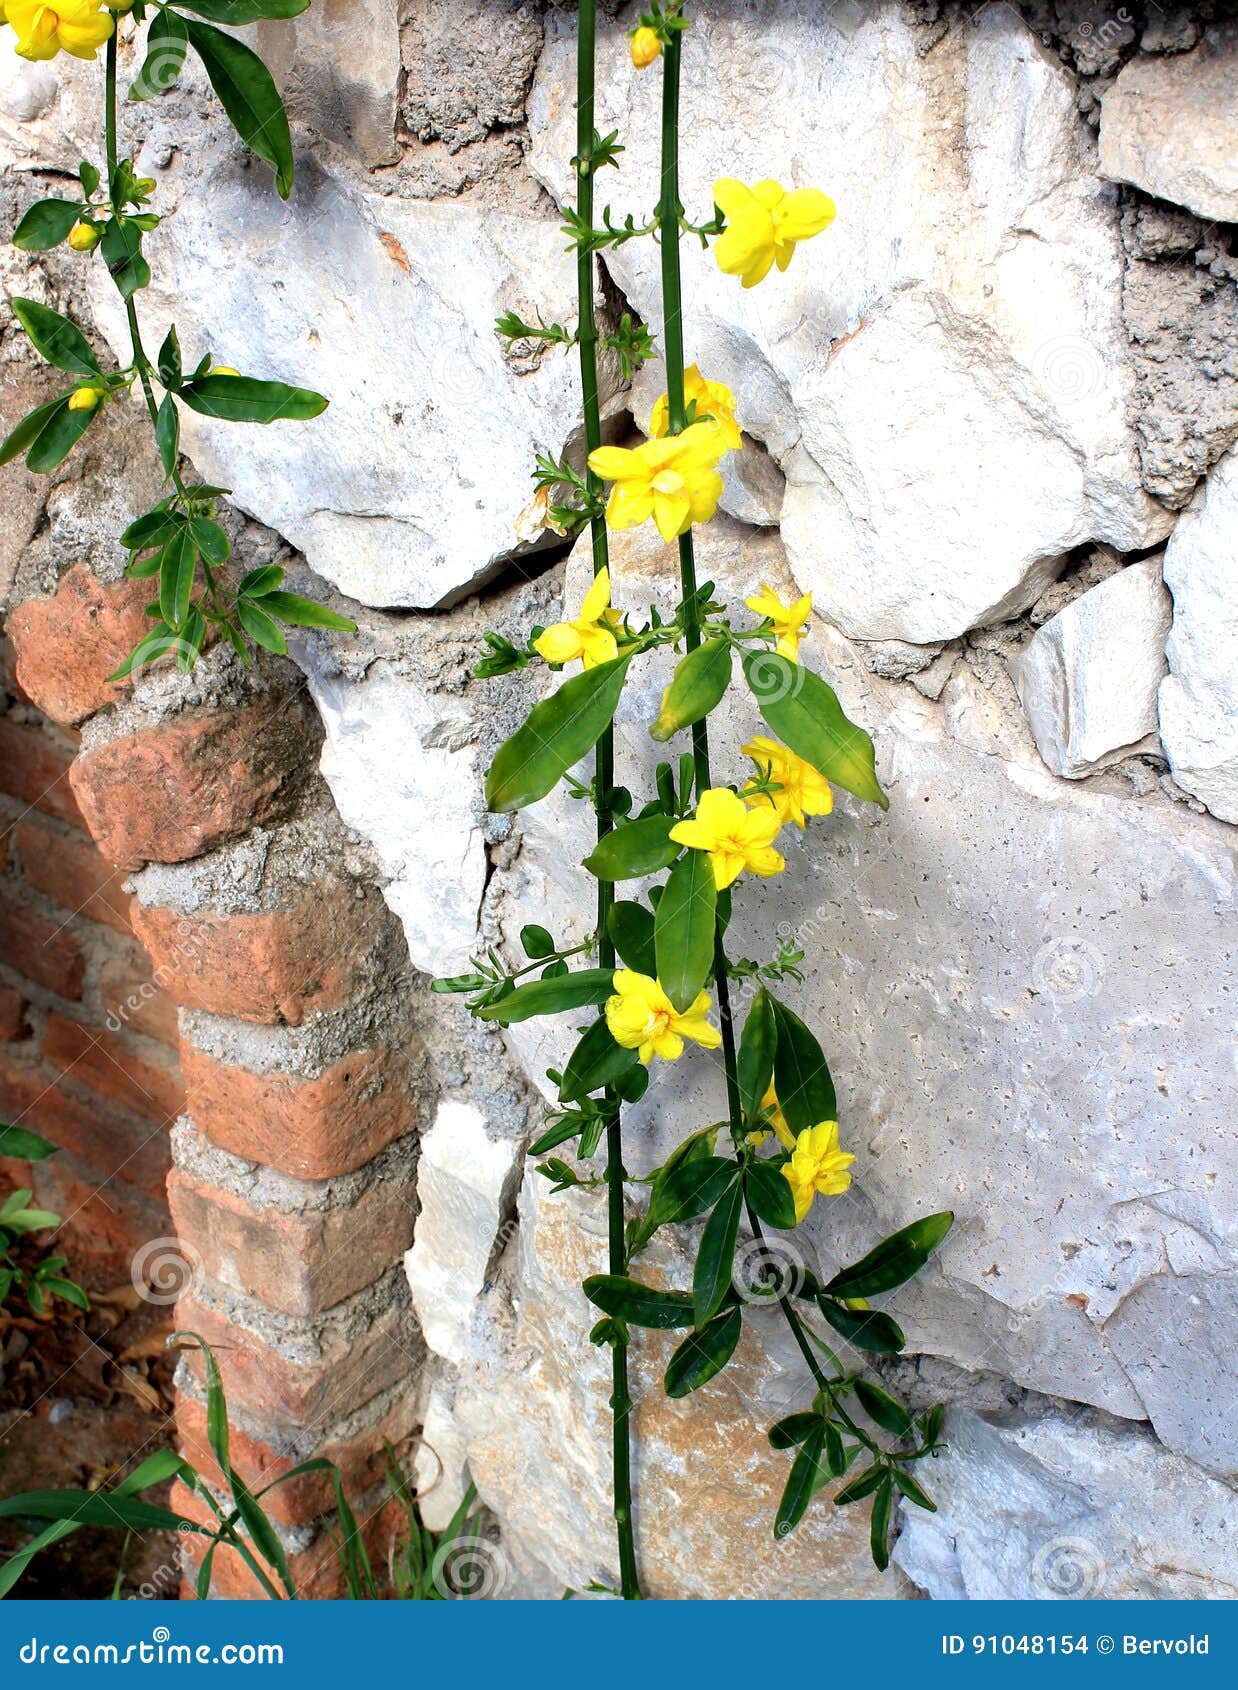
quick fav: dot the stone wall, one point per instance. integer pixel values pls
(990, 424)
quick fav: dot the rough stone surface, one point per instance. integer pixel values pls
(338, 68)
(1089, 677)
(1046, 1507)
(944, 374)
(1199, 698)
(1170, 126)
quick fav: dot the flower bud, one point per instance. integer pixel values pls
(223, 370)
(84, 398)
(84, 237)
(646, 46)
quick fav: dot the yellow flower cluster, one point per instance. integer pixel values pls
(817, 1165)
(642, 1018)
(674, 480)
(591, 637)
(763, 225)
(78, 27)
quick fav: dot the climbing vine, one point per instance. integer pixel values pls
(179, 544)
(658, 968)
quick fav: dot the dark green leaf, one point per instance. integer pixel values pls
(210, 539)
(170, 351)
(88, 176)
(262, 1533)
(882, 1408)
(639, 1305)
(835, 1455)
(558, 733)
(262, 580)
(176, 576)
(121, 247)
(66, 1289)
(55, 338)
(805, 713)
(260, 628)
(801, 1074)
(58, 436)
(29, 428)
(684, 928)
(879, 1527)
(153, 529)
(166, 44)
(152, 646)
(635, 849)
(633, 1083)
(692, 1186)
(894, 1260)
(699, 681)
(536, 941)
(168, 434)
(790, 1432)
(246, 399)
(193, 635)
(630, 929)
(22, 1143)
(770, 1195)
(801, 1482)
(915, 1492)
(715, 1260)
(304, 613)
(597, 1061)
(45, 225)
(704, 1353)
(859, 1488)
(93, 1508)
(756, 1054)
(550, 997)
(243, 11)
(249, 97)
(867, 1329)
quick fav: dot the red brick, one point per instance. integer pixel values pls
(67, 646)
(67, 869)
(104, 1061)
(171, 792)
(103, 1222)
(34, 1095)
(361, 1459)
(34, 767)
(132, 999)
(14, 1025)
(276, 965)
(44, 951)
(298, 1264)
(308, 1128)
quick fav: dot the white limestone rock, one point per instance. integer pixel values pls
(1055, 1508)
(464, 1179)
(1199, 698)
(338, 69)
(1169, 124)
(1088, 678)
(944, 374)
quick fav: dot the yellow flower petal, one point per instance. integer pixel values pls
(559, 644)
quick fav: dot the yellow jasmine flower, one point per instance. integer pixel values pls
(673, 480)
(646, 46)
(714, 402)
(736, 837)
(84, 237)
(772, 1110)
(801, 789)
(789, 619)
(79, 27)
(763, 223)
(817, 1165)
(84, 398)
(590, 637)
(642, 1018)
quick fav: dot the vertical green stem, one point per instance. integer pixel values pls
(604, 780)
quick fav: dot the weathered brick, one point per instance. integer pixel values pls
(311, 1129)
(14, 1024)
(67, 868)
(298, 1264)
(176, 790)
(68, 645)
(361, 1458)
(271, 966)
(43, 950)
(34, 767)
(132, 999)
(121, 1148)
(104, 1061)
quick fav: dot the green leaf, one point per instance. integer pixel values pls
(166, 44)
(210, 539)
(536, 942)
(703, 1354)
(29, 428)
(27, 1146)
(262, 580)
(639, 1305)
(168, 434)
(193, 636)
(859, 1488)
(915, 1492)
(153, 529)
(805, 713)
(629, 927)
(66, 1289)
(88, 176)
(176, 576)
(263, 1534)
(243, 11)
(58, 436)
(715, 1260)
(770, 1195)
(304, 613)
(879, 1526)
(801, 1483)
(684, 928)
(692, 1186)
(246, 399)
(94, 1508)
(152, 646)
(882, 1408)
(791, 1431)
(867, 1329)
(29, 1220)
(551, 997)
(756, 1054)
(699, 681)
(597, 1061)
(635, 849)
(260, 628)
(633, 1083)
(558, 733)
(801, 1074)
(170, 351)
(55, 338)
(121, 247)
(216, 1402)
(894, 1260)
(45, 225)
(249, 97)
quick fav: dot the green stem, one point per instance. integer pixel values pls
(604, 780)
